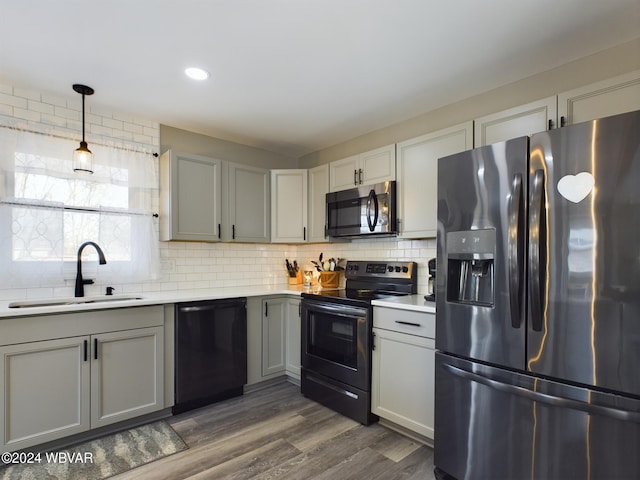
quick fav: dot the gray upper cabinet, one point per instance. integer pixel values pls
(248, 204)
(374, 166)
(318, 186)
(289, 206)
(190, 197)
(418, 177)
(515, 122)
(610, 97)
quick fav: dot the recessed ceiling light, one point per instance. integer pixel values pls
(196, 73)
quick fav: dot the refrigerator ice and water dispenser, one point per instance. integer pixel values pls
(470, 267)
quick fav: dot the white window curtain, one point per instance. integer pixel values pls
(47, 211)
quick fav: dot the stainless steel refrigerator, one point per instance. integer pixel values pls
(538, 306)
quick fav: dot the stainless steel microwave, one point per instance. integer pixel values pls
(362, 211)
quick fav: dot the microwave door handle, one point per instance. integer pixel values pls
(372, 199)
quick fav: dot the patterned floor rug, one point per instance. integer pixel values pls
(101, 458)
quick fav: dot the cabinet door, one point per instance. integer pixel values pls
(515, 122)
(288, 206)
(318, 186)
(190, 203)
(249, 212)
(45, 391)
(610, 97)
(254, 339)
(343, 174)
(126, 375)
(273, 335)
(403, 380)
(293, 338)
(378, 165)
(418, 177)
(375, 166)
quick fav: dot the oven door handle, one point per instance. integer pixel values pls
(337, 309)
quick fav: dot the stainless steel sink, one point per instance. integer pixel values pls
(53, 302)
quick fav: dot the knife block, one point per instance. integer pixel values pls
(297, 280)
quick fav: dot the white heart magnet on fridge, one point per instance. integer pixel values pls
(575, 188)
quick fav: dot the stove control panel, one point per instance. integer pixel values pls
(380, 269)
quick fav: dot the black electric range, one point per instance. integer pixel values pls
(337, 335)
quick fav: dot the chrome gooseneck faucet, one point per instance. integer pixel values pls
(80, 282)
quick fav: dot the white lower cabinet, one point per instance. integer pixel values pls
(51, 389)
(403, 383)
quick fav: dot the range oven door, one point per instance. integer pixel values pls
(336, 342)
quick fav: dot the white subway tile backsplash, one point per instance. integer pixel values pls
(47, 119)
(133, 128)
(26, 93)
(8, 99)
(64, 112)
(145, 139)
(100, 130)
(96, 109)
(26, 114)
(37, 106)
(53, 100)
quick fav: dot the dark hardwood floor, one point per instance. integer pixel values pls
(278, 433)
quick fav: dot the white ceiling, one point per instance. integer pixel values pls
(295, 76)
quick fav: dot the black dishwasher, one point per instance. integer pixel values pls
(211, 352)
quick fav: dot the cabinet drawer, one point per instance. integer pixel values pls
(405, 321)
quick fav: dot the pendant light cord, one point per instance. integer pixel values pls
(83, 141)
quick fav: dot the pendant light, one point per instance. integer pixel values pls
(82, 156)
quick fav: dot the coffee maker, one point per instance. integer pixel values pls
(431, 297)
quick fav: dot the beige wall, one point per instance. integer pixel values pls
(185, 141)
(600, 66)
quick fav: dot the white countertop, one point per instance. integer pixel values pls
(409, 302)
(151, 298)
(417, 303)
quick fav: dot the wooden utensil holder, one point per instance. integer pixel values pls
(329, 279)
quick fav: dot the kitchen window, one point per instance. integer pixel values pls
(47, 210)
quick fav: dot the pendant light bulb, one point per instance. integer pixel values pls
(83, 159)
(82, 156)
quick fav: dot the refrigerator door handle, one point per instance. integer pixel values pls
(624, 415)
(535, 244)
(514, 250)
